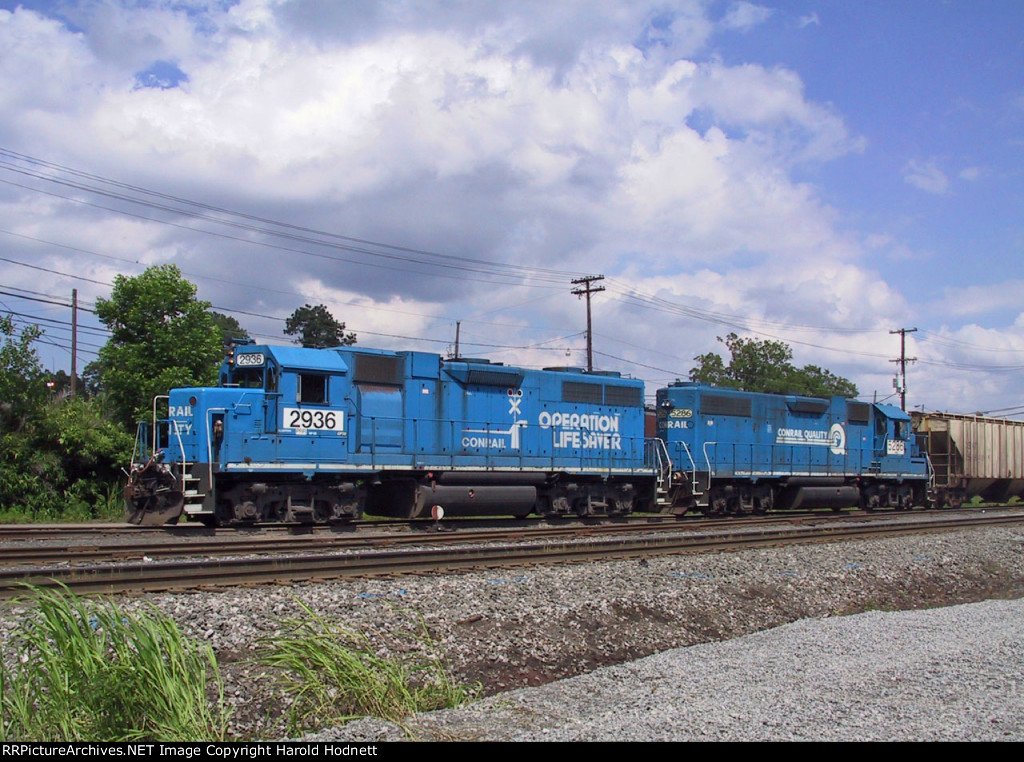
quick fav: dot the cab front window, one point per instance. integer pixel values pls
(247, 378)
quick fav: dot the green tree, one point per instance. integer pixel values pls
(64, 464)
(22, 385)
(819, 382)
(92, 378)
(59, 458)
(91, 448)
(765, 366)
(229, 328)
(59, 384)
(317, 328)
(161, 337)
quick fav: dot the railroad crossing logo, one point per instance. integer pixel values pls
(515, 399)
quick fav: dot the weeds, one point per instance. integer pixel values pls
(85, 670)
(82, 670)
(333, 674)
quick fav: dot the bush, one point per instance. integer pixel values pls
(64, 464)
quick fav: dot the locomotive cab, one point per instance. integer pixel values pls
(893, 435)
(217, 454)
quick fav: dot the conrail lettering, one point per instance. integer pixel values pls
(493, 443)
(802, 436)
(834, 438)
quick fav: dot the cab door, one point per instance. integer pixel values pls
(380, 418)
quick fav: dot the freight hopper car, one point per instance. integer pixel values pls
(322, 435)
(972, 456)
(739, 452)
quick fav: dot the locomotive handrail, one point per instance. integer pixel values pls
(209, 437)
(707, 459)
(155, 399)
(779, 459)
(140, 436)
(693, 471)
(596, 459)
(181, 448)
(662, 460)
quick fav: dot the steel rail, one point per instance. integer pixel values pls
(207, 573)
(226, 543)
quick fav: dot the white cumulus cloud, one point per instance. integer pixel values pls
(926, 176)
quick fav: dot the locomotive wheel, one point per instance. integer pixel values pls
(582, 507)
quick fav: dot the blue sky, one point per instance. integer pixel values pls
(817, 172)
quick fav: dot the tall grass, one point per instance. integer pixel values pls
(80, 670)
(333, 674)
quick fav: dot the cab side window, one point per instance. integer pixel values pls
(312, 389)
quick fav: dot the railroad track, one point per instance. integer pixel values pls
(177, 542)
(227, 543)
(470, 551)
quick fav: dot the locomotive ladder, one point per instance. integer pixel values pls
(190, 489)
(189, 482)
(658, 459)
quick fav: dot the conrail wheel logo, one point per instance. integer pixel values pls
(838, 436)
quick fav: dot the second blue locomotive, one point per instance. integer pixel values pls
(738, 452)
(325, 435)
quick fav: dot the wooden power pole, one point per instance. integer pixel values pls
(901, 382)
(587, 290)
(74, 338)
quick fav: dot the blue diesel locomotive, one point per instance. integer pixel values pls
(325, 435)
(322, 435)
(736, 452)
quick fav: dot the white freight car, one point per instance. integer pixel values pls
(972, 455)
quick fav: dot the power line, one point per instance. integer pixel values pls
(229, 218)
(60, 323)
(196, 276)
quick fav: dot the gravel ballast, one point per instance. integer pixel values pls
(945, 673)
(951, 674)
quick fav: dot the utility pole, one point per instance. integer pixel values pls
(458, 327)
(901, 380)
(587, 290)
(74, 338)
